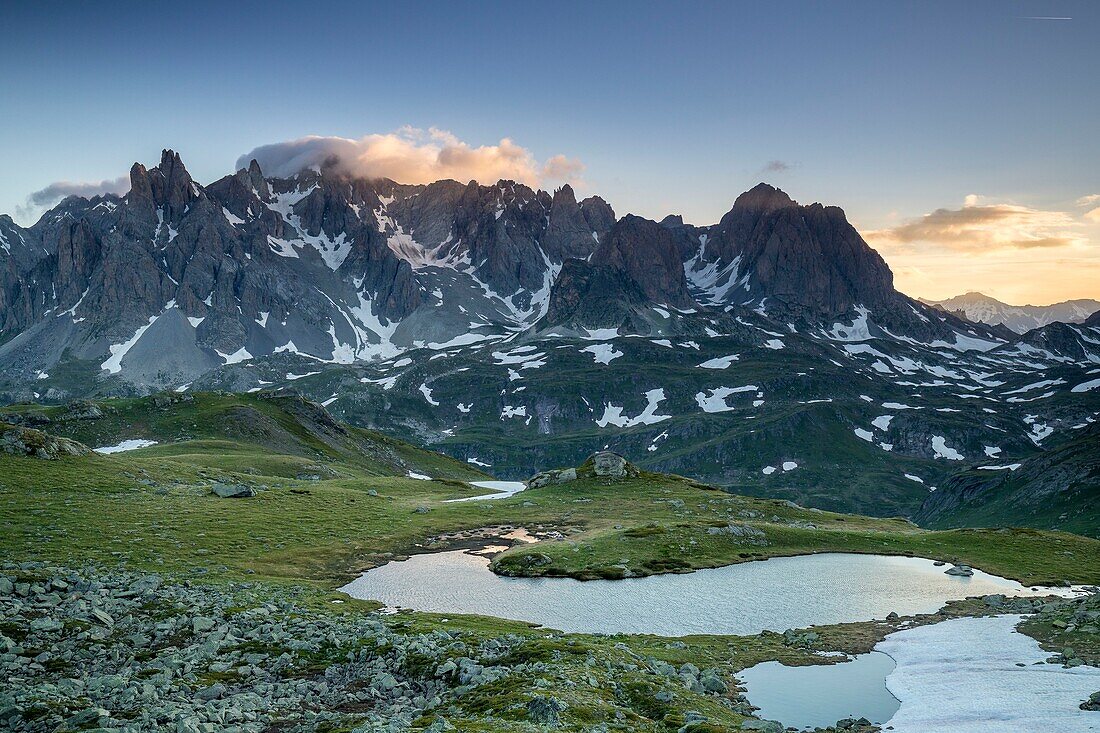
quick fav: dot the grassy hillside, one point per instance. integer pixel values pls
(331, 500)
(268, 433)
(1058, 488)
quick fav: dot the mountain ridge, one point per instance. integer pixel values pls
(768, 353)
(981, 308)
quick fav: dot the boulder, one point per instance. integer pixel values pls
(961, 570)
(233, 491)
(546, 478)
(603, 464)
(606, 463)
(544, 711)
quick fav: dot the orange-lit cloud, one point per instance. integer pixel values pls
(983, 227)
(411, 155)
(1018, 254)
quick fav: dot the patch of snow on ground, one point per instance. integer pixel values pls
(613, 414)
(131, 444)
(602, 353)
(962, 676)
(427, 392)
(1009, 467)
(768, 470)
(858, 331)
(721, 362)
(113, 364)
(991, 451)
(865, 434)
(911, 477)
(419, 476)
(1086, 386)
(601, 334)
(236, 357)
(942, 450)
(882, 422)
(716, 400)
(773, 344)
(1037, 385)
(789, 465)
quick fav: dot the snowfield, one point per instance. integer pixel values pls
(131, 444)
(723, 362)
(961, 676)
(602, 353)
(942, 450)
(716, 400)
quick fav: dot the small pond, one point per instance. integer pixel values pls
(777, 594)
(820, 695)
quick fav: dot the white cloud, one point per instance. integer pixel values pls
(411, 155)
(1092, 198)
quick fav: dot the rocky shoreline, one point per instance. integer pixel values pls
(130, 652)
(113, 650)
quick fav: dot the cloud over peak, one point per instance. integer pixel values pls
(45, 198)
(982, 226)
(412, 155)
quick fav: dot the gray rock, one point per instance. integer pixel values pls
(544, 711)
(232, 491)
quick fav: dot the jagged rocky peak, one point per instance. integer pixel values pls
(168, 185)
(646, 252)
(570, 232)
(805, 259)
(254, 178)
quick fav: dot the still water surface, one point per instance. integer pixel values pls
(820, 695)
(777, 594)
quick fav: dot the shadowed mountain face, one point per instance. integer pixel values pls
(511, 327)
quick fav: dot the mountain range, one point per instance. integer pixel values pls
(509, 327)
(1020, 318)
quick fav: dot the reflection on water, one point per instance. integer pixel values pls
(777, 594)
(820, 695)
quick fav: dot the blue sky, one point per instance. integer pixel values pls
(891, 110)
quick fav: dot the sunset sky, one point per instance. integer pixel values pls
(962, 139)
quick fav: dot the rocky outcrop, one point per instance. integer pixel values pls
(603, 464)
(645, 252)
(16, 440)
(586, 296)
(569, 233)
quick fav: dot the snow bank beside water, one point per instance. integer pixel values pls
(962, 676)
